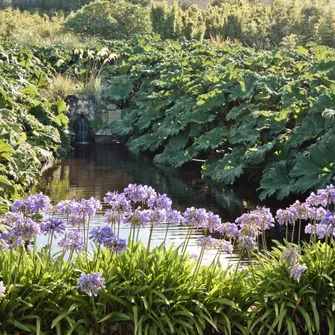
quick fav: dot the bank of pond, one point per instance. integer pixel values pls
(62, 274)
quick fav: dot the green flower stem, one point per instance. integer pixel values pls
(292, 236)
(49, 254)
(166, 232)
(199, 261)
(187, 239)
(88, 232)
(299, 231)
(19, 265)
(150, 236)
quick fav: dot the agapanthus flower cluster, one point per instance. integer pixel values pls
(118, 202)
(65, 207)
(297, 270)
(252, 225)
(324, 197)
(73, 241)
(78, 213)
(53, 225)
(291, 256)
(101, 235)
(206, 242)
(174, 216)
(228, 230)
(2, 290)
(106, 237)
(139, 205)
(139, 193)
(32, 205)
(91, 283)
(214, 221)
(195, 217)
(11, 217)
(116, 245)
(285, 217)
(21, 231)
(302, 211)
(159, 201)
(325, 227)
(225, 246)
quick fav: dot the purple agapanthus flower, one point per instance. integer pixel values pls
(310, 229)
(324, 197)
(302, 211)
(101, 235)
(116, 245)
(161, 201)
(33, 204)
(225, 246)
(196, 217)
(328, 219)
(138, 217)
(285, 216)
(117, 202)
(73, 241)
(213, 222)
(53, 225)
(2, 290)
(297, 270)
(91, 283)
(136, 193)
(291, 256)
(173, 217)
(247, 242)
(65, 207)
(228, 230)
(206, 242)
(12, 217)
(21, 232)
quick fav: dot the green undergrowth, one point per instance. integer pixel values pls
(158, 293)
(32, 128)
(154, 293)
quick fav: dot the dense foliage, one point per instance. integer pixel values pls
(268, 115)
(110, 20)
(32, 128)
(97, 283)
(250, 22)
(285, 22)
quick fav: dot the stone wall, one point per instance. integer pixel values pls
(86, 106)
(104, 134)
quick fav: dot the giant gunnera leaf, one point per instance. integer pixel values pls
(226, 169)
(315, 168)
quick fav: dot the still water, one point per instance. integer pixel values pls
(93, 170)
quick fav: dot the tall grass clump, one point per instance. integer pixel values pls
(61, 86)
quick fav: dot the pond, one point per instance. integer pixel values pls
(93, 170)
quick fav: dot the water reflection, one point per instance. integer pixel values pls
(93, 170)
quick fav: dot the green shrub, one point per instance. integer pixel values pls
(110, 20)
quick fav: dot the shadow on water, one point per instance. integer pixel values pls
(92, 170)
